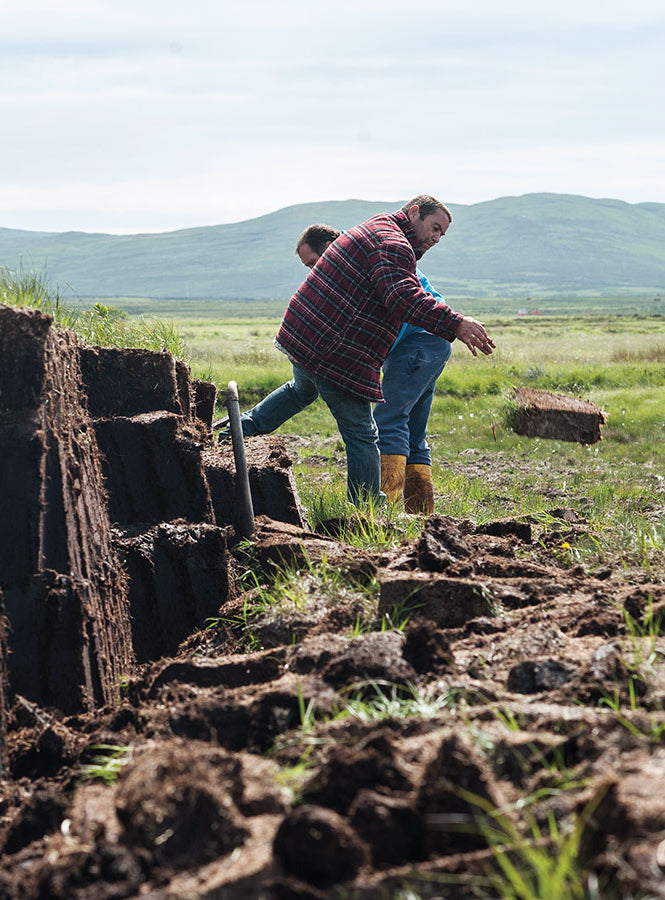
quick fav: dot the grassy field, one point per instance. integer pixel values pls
(481, 468)
(633, 304)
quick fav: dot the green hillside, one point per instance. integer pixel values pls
(537, 244)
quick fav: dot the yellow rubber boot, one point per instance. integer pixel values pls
(393, 467)
(418, 489)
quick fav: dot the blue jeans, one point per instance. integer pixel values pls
(409, 378)
(352, 414)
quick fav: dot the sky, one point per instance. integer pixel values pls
(128, 116)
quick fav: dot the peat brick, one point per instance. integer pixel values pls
(24, 336)
(4, 699)
(534, 676)
(427, 648)
(122, 382)
(185, 388)
(175, 803)
(373, 763)
(153, 471)
(69, 638)
(70, 649)
(454, 793)
(375, 658)
(543, 414)
(441, 544)
(205, 397)
(22, 453)
(319, 846)
(178, 578)
(390, 827)
(271, 481)
(505, 527)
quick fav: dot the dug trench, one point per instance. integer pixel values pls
(422, 722)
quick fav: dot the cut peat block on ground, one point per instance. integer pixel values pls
(556, 416)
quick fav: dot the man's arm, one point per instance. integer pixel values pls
(393, 276)
(425, 282)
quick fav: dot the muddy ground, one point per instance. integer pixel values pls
(240, 779)
(456, 706)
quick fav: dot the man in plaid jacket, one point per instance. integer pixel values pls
(341, 323)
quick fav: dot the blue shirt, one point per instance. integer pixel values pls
(412, 329)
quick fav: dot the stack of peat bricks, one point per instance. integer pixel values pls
(116, 511)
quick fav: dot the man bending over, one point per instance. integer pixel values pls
(341, 323)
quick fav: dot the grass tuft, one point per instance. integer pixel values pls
(102, 325)
(107, 763)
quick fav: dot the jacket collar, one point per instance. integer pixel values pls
(405, 224)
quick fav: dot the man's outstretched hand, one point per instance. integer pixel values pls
(473, 334)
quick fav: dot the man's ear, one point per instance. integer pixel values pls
(413, 212)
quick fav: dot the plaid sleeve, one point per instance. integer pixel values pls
(393, 276)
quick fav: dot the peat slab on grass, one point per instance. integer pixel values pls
(558, 417)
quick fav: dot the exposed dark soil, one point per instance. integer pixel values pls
(237, 777)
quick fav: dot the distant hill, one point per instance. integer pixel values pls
(537, 244)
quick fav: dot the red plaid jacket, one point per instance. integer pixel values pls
(343, 320)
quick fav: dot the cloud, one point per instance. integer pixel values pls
(144, 115)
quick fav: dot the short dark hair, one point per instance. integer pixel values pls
(427, 205)
(317, 236)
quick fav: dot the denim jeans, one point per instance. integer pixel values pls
(409, 378)
(354, 420)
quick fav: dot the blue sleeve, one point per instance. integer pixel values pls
(424, 280)
(406, 327)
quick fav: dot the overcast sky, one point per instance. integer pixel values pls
(152, 115)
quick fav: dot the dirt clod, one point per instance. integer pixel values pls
(533, 676)
(177, 804)
(319, 846)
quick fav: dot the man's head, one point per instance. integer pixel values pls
(313, 241)
(430, 220)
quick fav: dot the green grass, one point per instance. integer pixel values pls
(99, 325)
(107, 763)
(294, 589)
(375, 701)
(389, 701)
(374, 527)
(481, 469)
